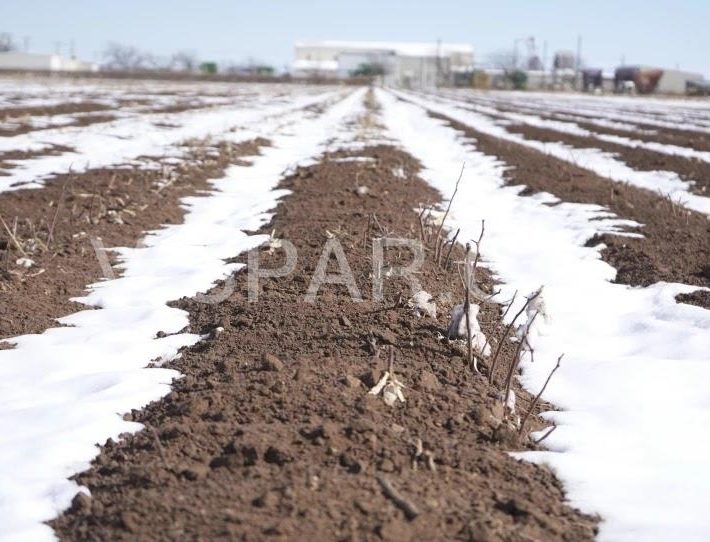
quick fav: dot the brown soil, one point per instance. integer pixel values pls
(78, 121)
(700, 298)
(676, 243)
(6, 156)
(688, 169)
(179, 108)
(116, 205)
(666, 136)
(48, 110)
(271, 434)
(16, 114)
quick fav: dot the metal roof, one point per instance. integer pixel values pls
(401, 48)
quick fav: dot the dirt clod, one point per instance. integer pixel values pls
(276, 456)
(81, 503)
(428, 381)
(269, 362)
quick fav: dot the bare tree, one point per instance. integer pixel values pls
(128, 58)
(7, 43)
(504, 59)
(184, 61)
(250, 66)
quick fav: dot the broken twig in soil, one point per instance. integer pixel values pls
(405, 505)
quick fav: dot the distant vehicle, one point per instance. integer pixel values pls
(698, 88)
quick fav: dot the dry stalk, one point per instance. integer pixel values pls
(478, 249)
(505, 313)
(422, 235)
(467, 307)
(516, 358)
(377, 223)
(367, 232)
(389, 387)
(50, 233)
(505, 335)
(13, 238)
(448, 208)
(537, 397)
(543, 437)
(438, 248)
(35, 235)
(451, 247)
(427, 220)
(512, 300)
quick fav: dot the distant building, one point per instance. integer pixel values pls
(400, 64)
(536, 80)
(564, 60)
(564, 71)
(649, 80)
(597, 80)
(16, 60)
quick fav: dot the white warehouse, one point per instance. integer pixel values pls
(402, 64)
(16, 60)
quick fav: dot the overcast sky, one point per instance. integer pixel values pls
(667, 33)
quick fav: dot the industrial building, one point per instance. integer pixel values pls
(649, 80)
(21, 61)
(407, 65)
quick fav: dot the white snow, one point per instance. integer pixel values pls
(120, 141)
(574, 129)
(678, 114)
(63, 391)
(632, 442)
(602, 163)
(457, 328)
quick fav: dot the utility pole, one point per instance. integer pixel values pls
(578, 62)
(438, 63)
(544, 64)
(516, 56)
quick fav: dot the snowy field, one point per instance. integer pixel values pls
(623, 452)
(596, 160)
(630, 443)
